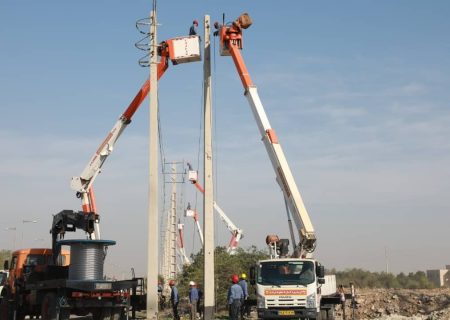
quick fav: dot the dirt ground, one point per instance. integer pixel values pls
(384, 304)
(400, 304)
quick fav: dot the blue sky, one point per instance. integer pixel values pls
(358, 92)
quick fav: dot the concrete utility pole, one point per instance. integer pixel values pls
(208, 198)
(152, 254)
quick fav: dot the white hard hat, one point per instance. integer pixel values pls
(191, 283)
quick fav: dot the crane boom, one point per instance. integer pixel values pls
(185, 258)
(178, 50)
(194, 214)
(230, 45)
(236, 233)
(82, 184)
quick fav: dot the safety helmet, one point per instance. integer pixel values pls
(191, 283)
(235, 278)
(195, 22)
(243, 276)
(171, 283)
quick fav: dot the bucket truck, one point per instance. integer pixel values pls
(286, 287)
(236, 233)
(178, 50)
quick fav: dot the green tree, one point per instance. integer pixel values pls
(366, 279)
(225, 266)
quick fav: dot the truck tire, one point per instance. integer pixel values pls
(101, 314)
(20, 315)
(5, 309)
(328, 314)
(50, 309)
(118, 314)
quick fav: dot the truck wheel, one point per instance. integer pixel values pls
(5, 309)
(328, 314)
(118, 314)
(319, 316)
(48, 308)
(19, 315)
(101, 314)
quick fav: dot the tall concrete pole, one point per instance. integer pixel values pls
(152, 254)
(208, 198)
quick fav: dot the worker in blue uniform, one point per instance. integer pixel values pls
(235, 298)
(244, 286)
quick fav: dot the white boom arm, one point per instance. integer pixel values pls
(84, 181)
(193, 214)
(231, 43)
(178, 50)
(236, 233)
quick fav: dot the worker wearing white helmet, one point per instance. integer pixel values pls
(193, 298)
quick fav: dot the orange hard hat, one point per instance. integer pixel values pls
(235, 278)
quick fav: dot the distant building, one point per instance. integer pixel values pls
(440, 277)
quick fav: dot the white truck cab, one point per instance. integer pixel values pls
(288, 288)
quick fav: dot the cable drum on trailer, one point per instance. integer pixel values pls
(87, 258)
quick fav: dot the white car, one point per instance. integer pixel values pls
(3, 278)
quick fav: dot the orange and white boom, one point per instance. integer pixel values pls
(236, 233)
(194, 214)
(230, 45)
(178, 50)
(183, 255)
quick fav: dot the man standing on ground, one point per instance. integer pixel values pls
(174, 298)
(235, 296)
(243, 284)
(342, 299)
(193, 298)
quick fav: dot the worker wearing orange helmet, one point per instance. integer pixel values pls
(174, 299)
(235, 297)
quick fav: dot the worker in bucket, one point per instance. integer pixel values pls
(244, 286)
(174, 299)
(193, 29)
(235, 298)
(193, 299)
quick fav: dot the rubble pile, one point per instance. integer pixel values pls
(400, 304)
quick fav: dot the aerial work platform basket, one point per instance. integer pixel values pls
(184, 49)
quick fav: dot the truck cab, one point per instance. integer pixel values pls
(288, 288)
(24, 261)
